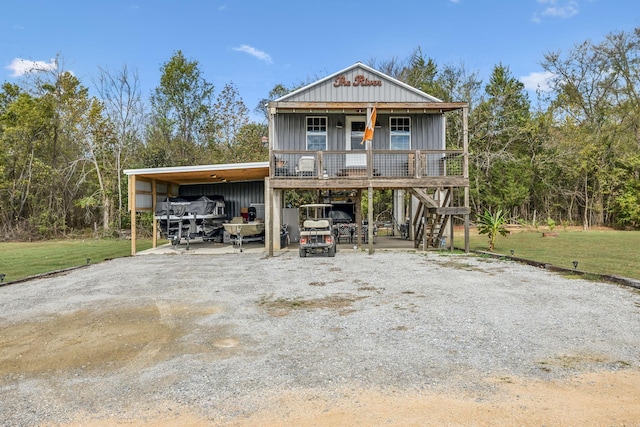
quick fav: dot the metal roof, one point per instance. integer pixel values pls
(205, 174)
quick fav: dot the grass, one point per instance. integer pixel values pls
(597, 251)
(24, 259)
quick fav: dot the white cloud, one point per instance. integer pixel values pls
(537, 80)
(20, 67)
(263, 56)
(555, 9)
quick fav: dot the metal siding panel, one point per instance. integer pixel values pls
(143, 185)
(381, 134)
(297, 132)
(291, 129)
(144, 201)
(426, 132)
(418, 133)
(440, 138)
(236, 194)
(333, 133)
(390, 91)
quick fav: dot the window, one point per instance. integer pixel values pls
(316, 133)
(400, 133)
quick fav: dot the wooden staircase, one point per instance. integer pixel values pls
(432, 216)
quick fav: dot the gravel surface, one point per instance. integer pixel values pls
(223, 335)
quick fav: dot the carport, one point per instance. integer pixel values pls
(147, 186)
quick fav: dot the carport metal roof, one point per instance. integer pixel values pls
(205, 174)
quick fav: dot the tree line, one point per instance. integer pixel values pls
(573, 158)
(64, 151)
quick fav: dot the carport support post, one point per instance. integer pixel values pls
(132, 203)
(370, 219)
(268, 209)
(154, 238)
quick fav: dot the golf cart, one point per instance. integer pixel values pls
(316, 232)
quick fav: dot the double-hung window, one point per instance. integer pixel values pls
(316, 133)
(400, 133)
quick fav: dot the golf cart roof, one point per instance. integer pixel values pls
(317, 205)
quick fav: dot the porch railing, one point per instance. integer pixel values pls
(367, 164)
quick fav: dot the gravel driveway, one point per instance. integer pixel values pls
(195, 339)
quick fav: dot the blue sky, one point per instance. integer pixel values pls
(258, 44)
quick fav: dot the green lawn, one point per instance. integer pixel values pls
(597, 251)
(23, 259)
(602, 252)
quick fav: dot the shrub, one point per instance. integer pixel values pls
(492, 225)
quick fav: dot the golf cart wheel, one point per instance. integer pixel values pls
(332, 251)
(303, 253)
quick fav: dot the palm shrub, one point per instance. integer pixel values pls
(492, 225)
(551, 223)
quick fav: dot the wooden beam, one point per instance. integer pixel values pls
(381, 107)
(424, 197)
(452, 210)
(376, 183)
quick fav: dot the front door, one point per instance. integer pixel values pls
(355, 132)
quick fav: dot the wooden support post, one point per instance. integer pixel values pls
(451, 217)
(359, 218)
(465, 173)
(370, 219)
(154, 237)
(322, 166)
(369, 160)
(269, 236)
(132, 203)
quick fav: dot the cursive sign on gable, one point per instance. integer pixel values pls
(358, 80)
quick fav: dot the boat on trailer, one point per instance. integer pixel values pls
(184, 218)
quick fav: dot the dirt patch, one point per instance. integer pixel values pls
(459, 265)
(592, 399)
(96, 339)
(284, 306)
(609, 398)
